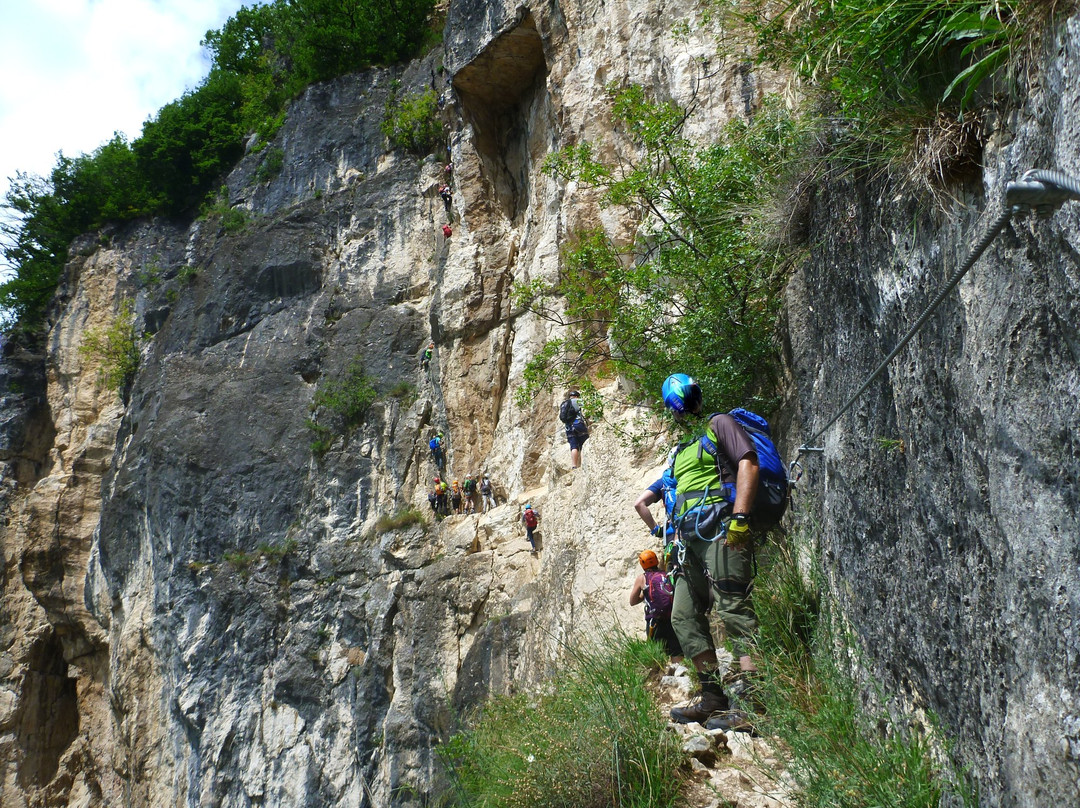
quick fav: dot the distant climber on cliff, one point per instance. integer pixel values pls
(443, 493)
(446, 194)
(468, 490)
(425, 358)
(436, 447)
(577, 430)
(455, 496)
(722, 498)
(654, 588)
(530, 519)
(447, 231)
(487, 493)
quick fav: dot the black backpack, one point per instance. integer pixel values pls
(567, 413)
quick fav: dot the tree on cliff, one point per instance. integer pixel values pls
(261, 58)
(699, 288)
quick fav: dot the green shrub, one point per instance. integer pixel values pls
(592, 736)
(116, 347)
(412, 122)
(276, 552)
(340, 405)
(400, 520)
(699, 291)
(323, 437)
(272, 163)
(900, 87)
(404, 392)
(240, 561)
(188, 273)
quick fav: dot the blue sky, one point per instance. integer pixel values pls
(76, 71)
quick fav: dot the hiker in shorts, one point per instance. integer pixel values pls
(468, 489)
(577, 429)
(530, 519)
(487, 493)
(654, 588)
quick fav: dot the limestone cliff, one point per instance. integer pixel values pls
(203, 611)
(199, 610)
(946, 502)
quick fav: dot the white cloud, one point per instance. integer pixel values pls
(77, 71)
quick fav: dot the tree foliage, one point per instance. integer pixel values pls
(698, 290)
(185, 149)
(261, 58)
(115, 347)
(412, 122)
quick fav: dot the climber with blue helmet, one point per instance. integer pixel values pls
(438, 456)
(716, 557)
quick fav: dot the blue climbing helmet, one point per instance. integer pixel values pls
(681, 394)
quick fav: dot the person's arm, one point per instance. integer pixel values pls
(740, 459)
(746, 484)
(648, 497)
(637, 591)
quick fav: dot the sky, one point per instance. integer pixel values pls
(74, 72)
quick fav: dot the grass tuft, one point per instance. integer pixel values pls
(841, 754)
(400, 520)
(592, 737)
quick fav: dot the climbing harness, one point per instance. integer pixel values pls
(1039, 190)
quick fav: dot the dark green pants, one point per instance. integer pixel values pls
(731, 570)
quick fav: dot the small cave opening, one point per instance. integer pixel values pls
(48, 720)
(502, 92)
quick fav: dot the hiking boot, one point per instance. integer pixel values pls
(701, 710)
(744, 691)
(731, 721)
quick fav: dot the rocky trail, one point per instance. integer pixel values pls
(726, 769)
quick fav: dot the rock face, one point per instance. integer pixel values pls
(954, 554)
(200, 610)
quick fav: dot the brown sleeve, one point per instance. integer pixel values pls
(734, 445)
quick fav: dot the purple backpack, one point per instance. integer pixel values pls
(658, 596)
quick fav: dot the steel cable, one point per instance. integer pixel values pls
(1039, 189)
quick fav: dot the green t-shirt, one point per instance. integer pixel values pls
(696, 475)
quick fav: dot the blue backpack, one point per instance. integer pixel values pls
(771, 501)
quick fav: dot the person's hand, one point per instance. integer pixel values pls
(738, 530)
(656, 530)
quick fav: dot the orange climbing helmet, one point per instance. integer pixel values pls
(648, 559)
